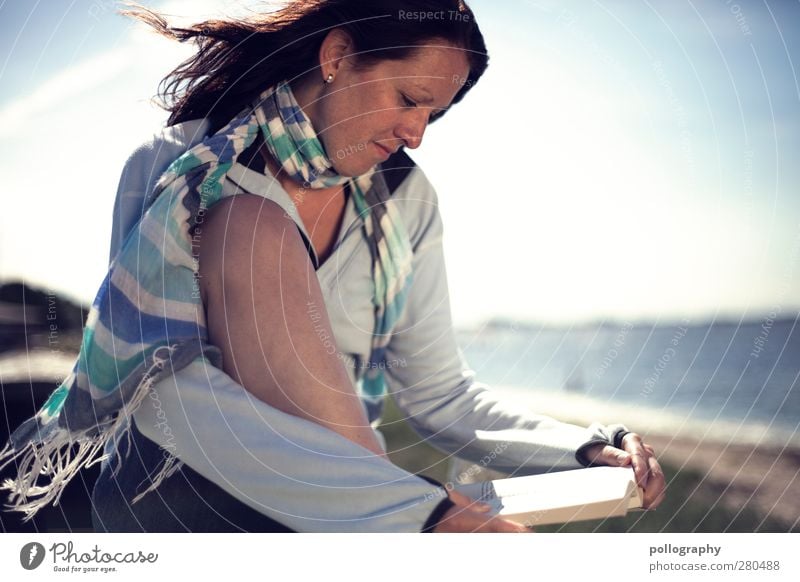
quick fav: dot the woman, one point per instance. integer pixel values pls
(281, 274)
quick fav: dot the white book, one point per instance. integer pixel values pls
(581, 494)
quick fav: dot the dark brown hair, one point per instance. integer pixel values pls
(236, 60)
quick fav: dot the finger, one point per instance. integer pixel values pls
(502, 525)
(459, 498)
(609, 455)
(480, 522)
(656, 486)
(457, 519)
(468, 521)
(639, 458)
(465, 501)
(641, 468)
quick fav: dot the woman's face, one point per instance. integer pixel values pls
(365, 115)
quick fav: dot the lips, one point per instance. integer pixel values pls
(382, 150)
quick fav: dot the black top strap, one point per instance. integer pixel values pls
(396, 169)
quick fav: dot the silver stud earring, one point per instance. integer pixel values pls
(329, 80)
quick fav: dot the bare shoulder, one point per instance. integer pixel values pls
(244, 238)
(245, 211)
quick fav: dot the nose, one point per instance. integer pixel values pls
(412, 127)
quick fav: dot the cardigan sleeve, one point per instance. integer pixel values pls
(290, 469)
(142, 170)
(438, 393)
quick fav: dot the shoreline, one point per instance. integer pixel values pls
(739, 465)
(580, 409)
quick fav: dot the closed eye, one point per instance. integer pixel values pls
(407, 102)
(434, 115)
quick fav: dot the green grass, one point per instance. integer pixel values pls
(407, 450)
(691, 503)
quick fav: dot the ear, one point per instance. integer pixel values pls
(334, 50)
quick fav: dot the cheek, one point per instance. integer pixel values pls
(345, 144)
(364, 114)
(342, 129)
(351, 143)
(354, 120)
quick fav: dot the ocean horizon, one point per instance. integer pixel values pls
(727, 381)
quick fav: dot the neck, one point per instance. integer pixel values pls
(308, 91)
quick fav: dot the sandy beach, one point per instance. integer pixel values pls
(764, 478)
(736, 466)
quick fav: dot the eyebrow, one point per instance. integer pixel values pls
(429, 98)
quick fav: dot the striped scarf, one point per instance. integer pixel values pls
(147, 320)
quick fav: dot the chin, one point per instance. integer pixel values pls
(352, 168)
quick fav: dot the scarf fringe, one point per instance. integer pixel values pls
(57, 458)
(170, 466)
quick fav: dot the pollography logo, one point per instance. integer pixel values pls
(31, 555)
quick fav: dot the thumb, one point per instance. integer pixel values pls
(465, 501)
(612, 456)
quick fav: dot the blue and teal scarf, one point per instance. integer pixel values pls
(147, 320)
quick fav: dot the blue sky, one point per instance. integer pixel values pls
(619, 160)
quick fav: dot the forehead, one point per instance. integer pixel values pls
(439, 68)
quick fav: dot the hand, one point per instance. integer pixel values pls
(468, 516)
(649, 475)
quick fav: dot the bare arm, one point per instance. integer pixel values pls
(266, 312)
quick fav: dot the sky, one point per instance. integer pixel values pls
(617, 161)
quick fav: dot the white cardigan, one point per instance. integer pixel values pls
(304, 475)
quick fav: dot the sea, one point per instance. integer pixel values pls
(731, 380)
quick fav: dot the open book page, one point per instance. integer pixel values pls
(581, 494)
